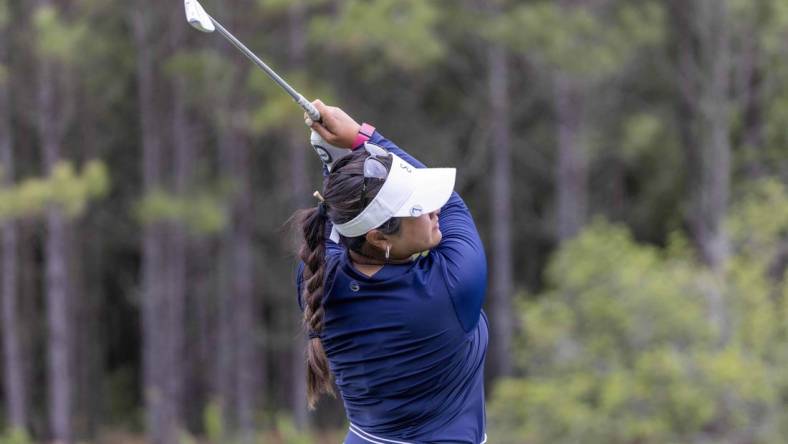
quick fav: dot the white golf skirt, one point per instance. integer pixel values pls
(357, 436)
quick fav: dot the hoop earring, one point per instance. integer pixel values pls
(388, 251)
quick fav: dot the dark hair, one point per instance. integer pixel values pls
(343, 201)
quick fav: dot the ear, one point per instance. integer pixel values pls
(377, 239)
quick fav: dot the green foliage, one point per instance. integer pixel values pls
(5, 15)
(616, 288)
(15, 436)
(57, 38)
(402, 31)
(202, 213)
(208, 75)
(620, 348)
(63, 188)
(276, 108)
(121, 408)
(269, 7)
(762, 29)
(105, 86)
(283, 430)
(578, 40)
(273, 6)
(640, 133)
(184, 437)
(212, 421)
(776, 136)
(773, 22)
(759, 219)
(758, 227)
(289, 433)
(73, 192)
(4, 18)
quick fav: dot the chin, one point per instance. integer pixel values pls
(436, 239)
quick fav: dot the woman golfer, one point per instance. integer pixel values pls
(392, 296)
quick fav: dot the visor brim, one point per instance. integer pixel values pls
(432, 188)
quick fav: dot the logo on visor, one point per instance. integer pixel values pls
(416, 211)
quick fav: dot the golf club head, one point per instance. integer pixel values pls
(197, 16)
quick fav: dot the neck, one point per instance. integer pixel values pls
(363, 259)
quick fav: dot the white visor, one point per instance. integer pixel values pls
(407, 192)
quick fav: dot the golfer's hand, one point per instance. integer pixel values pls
(336, 128)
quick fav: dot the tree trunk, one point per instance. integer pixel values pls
(14, 384)
(160, 428)
(201, 318)
(172, 328)
(85, 268)
(501, 199)
(248, 366)
(715, 117)
(298, 185)
(89, 244)
(51, 123)
(58, 310)
(572, 165)
(704, 73)
(754, 120)
(241, 380)
(175, 304)
(240, 363)
(227, 361)
(226, 349)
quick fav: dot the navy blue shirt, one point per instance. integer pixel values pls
(407, 345)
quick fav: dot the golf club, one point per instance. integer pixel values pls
(200, 20)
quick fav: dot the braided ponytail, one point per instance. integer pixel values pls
(313, 254)
(342, 191)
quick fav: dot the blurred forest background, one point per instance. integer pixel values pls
(626, 162)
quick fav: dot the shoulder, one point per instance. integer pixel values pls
(470, 274)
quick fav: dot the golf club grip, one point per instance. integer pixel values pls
(311, 111)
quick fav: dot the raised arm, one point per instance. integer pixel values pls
(460, 255)
(460, 252)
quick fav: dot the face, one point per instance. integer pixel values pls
(416, 234)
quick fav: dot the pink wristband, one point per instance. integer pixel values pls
(364, 134)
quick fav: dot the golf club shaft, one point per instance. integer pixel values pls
(310, 109)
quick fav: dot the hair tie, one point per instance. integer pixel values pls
(313, 335)
(322, 207)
